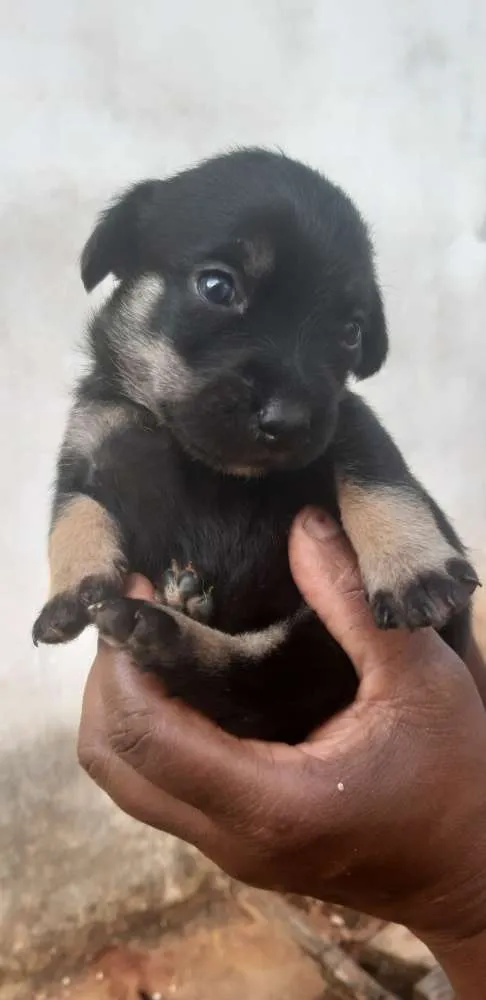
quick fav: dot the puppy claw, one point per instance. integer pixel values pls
(383, 612)
(428, 601)
(472, 580)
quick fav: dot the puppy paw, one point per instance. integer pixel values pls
(429, 598)
(66, 615)
(183, 591)
(144, 630)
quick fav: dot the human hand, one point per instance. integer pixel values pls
(384, 809)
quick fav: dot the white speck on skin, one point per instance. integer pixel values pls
(340, 786)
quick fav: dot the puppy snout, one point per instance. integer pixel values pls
(281, 420)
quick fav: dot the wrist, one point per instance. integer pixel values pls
(455, 915)
(464, 963)
(455, 932)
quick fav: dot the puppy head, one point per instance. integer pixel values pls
(246, 299)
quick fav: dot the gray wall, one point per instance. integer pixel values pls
(386, 98)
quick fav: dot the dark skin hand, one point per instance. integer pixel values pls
(383, 809)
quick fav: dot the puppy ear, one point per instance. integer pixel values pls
(375, 338)
(114, 245)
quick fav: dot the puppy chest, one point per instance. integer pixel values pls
(240, 559)
(235, 540)
(232, 532)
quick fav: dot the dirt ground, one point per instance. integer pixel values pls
(231, 943)
(234, 960)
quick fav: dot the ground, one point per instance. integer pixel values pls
(231, 943)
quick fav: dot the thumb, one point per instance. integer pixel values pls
(326, 572)
(138, 586)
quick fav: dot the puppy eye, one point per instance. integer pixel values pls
(217, 287)
(351, 336)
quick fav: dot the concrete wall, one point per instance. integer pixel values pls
(389, 100)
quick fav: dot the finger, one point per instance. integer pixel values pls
(138, 586)
(325, 570)
(131, 792)
(477, 668)
(180, 752)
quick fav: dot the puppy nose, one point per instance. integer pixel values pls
(281, 418)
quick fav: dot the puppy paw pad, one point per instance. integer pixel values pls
(184, 591)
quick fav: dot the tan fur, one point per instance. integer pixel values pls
(258, 645)
(138, 303)
(83, 542)
(91, 424)
(216, 649)
(259, 258)
(394, 534)
(150, 368)
(244, 471)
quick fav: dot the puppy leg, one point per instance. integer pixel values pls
(86, 564)
(413, 565)
(86, 557)
(158, 636)
(210, 670)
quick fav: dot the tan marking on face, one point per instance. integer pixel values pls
(150, 368)
(138, 303)
(394, 535)
(259, 258)
(83, 542)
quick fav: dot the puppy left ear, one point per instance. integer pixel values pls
(114, 245)
(375, 338)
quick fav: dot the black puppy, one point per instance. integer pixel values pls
(217, 407)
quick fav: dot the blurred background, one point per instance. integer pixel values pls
(388, 100)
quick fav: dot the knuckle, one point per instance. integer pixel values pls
(346, 578)
(93, 759)
(356, 602)
(130, 735)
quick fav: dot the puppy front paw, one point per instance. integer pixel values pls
(149, 633)
(66, 614)
(413, 568)
(428, 597)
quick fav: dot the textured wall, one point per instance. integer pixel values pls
(389, 100)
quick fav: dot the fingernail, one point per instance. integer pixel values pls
(320, 525)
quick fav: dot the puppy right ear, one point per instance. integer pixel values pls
(114, 245)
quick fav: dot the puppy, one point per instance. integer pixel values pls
(216, 407)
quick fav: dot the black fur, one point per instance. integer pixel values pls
(188, 474)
